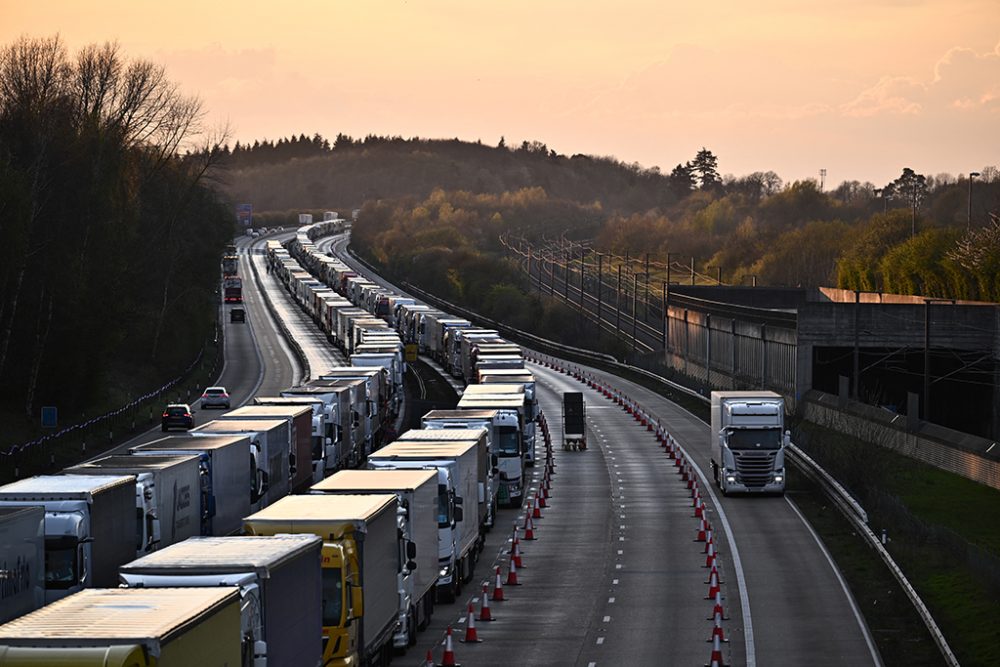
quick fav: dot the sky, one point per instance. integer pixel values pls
(860, 88)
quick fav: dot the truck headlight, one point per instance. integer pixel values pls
(730, 478)
(779, 478)
(445, 571)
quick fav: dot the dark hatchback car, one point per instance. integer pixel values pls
(177, 415)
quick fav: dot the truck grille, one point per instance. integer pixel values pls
(754, 468)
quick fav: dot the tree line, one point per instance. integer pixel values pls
(112, 237)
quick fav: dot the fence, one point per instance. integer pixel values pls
(71, 444)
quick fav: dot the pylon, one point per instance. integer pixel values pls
(429, 661)
(471, 636)
(717, 629)
(536, 512)
(715, 571)
(484, 609)
(512, 575)
(448, 659)
(540, 498)
(698, 507)
(702, 527)
(498, 588)
(529, 527)
(708, 540)
(717, 609)
(515, 556)
(713, 586)
(716, 658)
(710, 558)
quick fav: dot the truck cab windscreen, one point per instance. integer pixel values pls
(755, 438)
(333, 597)
(60, 563)
(444, 507)
(508, 441)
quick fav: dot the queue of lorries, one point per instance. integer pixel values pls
(293, 531)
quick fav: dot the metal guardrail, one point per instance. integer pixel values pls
(285, 332)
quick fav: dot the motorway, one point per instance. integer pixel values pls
(615, 575)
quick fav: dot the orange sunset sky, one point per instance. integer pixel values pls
(861, 88)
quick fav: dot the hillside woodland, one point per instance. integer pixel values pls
(111, 240)
(433, 211)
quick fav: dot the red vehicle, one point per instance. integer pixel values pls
(232, 289)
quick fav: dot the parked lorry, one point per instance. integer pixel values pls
(460, 538)
(90, 527)
(230, 265)
(503, 426)
(122, 627)
(574, 415)
(360, 564)
(323, 431)
(417, 492)
(299, 420)
(749, 441)
(167, 495)
(22, 560)
(225, 476)
(278, 579)
(528, 409)
(232, 289)
(372, 407)
(305, 219)
(268, 442)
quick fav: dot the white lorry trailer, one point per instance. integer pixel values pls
(749, 441)
(459, 537)
(167, 495)
(504, 428)
(225, 476)
(278, 579)
(474, 394)
(22, 560)
(417, 491)
(90, 527)
(268, 454)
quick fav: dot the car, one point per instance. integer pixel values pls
(237, 315)
(215, 397)
(177, 415)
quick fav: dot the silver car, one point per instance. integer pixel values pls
(215, 397)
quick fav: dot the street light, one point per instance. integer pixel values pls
(972, 175)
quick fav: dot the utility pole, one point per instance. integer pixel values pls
(645, 308)
(618, 302)
(635, 296)
(972, 175)
(857, 349)
(600, 288)
(692, 270)
(583, 270)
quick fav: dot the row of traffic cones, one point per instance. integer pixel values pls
(688, 477)
(533, 510)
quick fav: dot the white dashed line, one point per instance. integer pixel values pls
(607, 619)
(611, 600)
(600, 640)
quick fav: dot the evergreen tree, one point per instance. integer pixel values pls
(706, 167)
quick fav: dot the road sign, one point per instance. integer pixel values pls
(244, 214)
(50, 417)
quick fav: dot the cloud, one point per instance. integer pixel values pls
(962, 80)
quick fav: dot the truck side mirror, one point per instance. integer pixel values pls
(411, 552)
(155, 530)
(786, 440)
(458, 512)
(494, 460)
(357, 601)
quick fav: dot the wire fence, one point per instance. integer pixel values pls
(71, 444)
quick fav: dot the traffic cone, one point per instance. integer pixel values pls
(448, 659)
(512, 575)
(708, 540)
(702, 527)
(713, 586)
(536, 511)
(717, 609)
(484, 609)
(515, 556)
(716, 658)
(429, 661)
(715, 571)
(529, 527)
(471, 636)
(717, 630)
(498, 588)
(710, 558)
(540, 498)
(698, 507)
